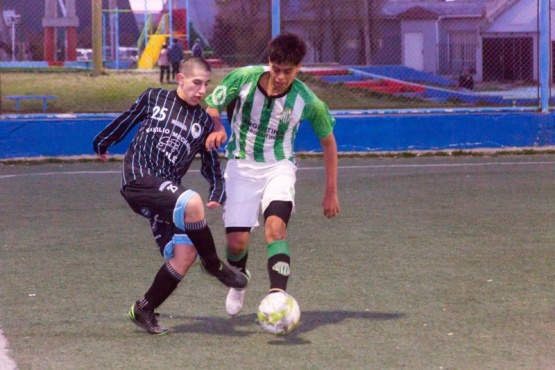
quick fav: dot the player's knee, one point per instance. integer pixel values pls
(195, 209)
(236, 241)
(279, 208)
(183, 258)
(276, 217)
(275, 230)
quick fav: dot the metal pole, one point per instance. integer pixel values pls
(276, 18)
(544, 54)
(170, 31)
(113, 51)
(117, 38)
(13, 40)
(187, 23)
(104, 36)
(0, 93)
(366, 23)
(97, 36)
(146, 25)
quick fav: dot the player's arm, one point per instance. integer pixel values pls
(116, 130)
(322, 123)
(212, 172)
(226, 92)
(218, 136)
(331, 201)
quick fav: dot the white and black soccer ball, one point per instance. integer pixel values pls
(279, 313)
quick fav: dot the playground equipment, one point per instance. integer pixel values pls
(152, 50)
(177, 22)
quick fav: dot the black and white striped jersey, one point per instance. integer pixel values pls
(171, 134)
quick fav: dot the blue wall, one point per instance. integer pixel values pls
(67, 135)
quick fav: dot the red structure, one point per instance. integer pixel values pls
(179, 24)
(51, 22)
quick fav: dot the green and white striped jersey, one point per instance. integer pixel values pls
(263, 129)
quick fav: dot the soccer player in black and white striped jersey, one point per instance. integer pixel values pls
(172, 131)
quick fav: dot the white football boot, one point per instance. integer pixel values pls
(235, 298)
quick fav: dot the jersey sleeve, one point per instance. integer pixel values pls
(229, 87)
(121, 125)
(211, 170)
(318, 115)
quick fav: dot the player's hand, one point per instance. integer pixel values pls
(331, 205)
(215, 140)
(103, 157)
(212, 205)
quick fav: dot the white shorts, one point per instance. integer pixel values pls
(252, 186)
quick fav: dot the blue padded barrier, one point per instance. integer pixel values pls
(360, 131)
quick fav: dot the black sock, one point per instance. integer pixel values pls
(278, 264)
(278, 270)
(202, 239)
(162, 287)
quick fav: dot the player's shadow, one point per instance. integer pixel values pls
(245, 325)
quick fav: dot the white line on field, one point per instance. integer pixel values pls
(436, 165)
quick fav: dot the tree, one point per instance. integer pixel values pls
(242, 31)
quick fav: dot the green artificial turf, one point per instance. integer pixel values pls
(433, 263)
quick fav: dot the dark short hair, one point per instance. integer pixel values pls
(187, 64)
(287, 48)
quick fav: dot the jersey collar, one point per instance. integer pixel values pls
(265, 93)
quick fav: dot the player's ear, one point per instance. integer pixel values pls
(180, 78)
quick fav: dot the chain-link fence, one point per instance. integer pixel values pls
(362, 54)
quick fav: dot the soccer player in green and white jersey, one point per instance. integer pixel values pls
(269, 104)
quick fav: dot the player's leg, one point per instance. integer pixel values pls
(189, 215)
(170, 202)
(180, 254)
(240, 215)
(237, 239)
(237, 254)
(278, 204)
(166, 280)
(276, 217)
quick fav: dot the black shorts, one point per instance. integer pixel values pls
(160, 200)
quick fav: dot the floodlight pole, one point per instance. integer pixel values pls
(12, 21)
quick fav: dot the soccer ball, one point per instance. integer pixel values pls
(279, 313)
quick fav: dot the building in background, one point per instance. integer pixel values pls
(30, 31)
(496, 39)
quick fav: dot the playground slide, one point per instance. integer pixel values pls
(150, 54)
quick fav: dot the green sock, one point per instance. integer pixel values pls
(239, 261)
